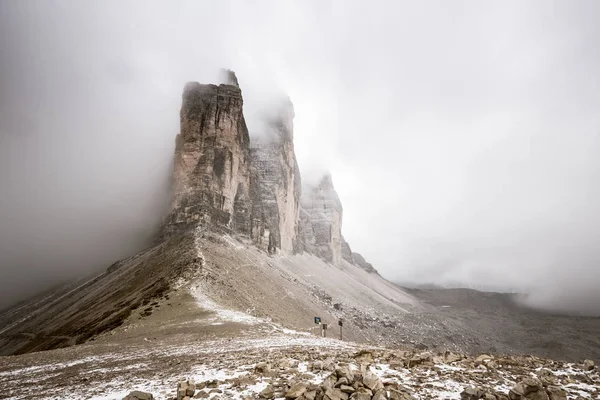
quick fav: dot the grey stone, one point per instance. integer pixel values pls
(380, 395)
(342, 381)
(267, 393)
(185, 388)
(344, 372)
(528, 388)
(295, 391)
(262, 367)
(588, 365)
(372, 381)
(329, 382)
(310, 395)
(556, 393)
(399, 395)
(360, 396)
(335, 394)
(347, 389)
(471, 393)
(138, 395)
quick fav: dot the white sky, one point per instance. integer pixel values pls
(462, 136)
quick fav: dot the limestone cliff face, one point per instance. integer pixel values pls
(222, 181)
(321, 226)
(212, 161)
(276, 183)
(321, 221)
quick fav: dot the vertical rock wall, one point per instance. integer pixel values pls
(223, 181)
(275, 171)
(212, 161)
(321, 221)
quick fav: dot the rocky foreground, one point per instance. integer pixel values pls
(375, 374)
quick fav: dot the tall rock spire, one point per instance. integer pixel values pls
(277, 176)
(211, 171)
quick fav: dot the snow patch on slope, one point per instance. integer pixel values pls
(223, 313)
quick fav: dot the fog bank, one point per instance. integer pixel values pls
(462, 137)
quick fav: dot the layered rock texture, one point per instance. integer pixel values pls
(276, 181)
(212, 159)
(321, 221)
(227, 182)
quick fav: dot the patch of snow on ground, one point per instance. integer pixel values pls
(115, 395)
(201, 373)
(566, 371)
(257, 387)
(581, 389)
(445, 389)
(293, 332)
(447, 367)
(303, 367)
(223, 313)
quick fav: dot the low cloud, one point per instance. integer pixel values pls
(462, 137)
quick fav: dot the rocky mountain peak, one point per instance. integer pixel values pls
(226, 181)
(211, 166)
(321, 218)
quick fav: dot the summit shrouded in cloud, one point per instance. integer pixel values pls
(462, 137)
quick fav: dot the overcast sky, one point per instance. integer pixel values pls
(463, 137)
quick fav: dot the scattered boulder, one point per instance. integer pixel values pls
(588, 365)
(529, 389)
(310, 394)
(556, 393)
(372, 381)
(364, 357)
(420, 359)
(262, 367)
(287, 363)
(295, 391)
(397, 395)
(471, 393)
(138, 395)
(316, 366)
(363, 389)
(379, 396)
(267, 393)
(344, 372)
(360, 396)
(347, 389)
(185, 388)
(452, 357)
(547, 377)
(483, 357)
(335, 394)
(342, 381)
(329, 382)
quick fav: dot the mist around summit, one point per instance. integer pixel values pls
(462, 137)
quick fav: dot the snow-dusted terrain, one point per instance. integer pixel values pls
(261, 355)
(231, 354)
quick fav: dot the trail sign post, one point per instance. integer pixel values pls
(341, 324)
(324, 330)
(318, 320)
